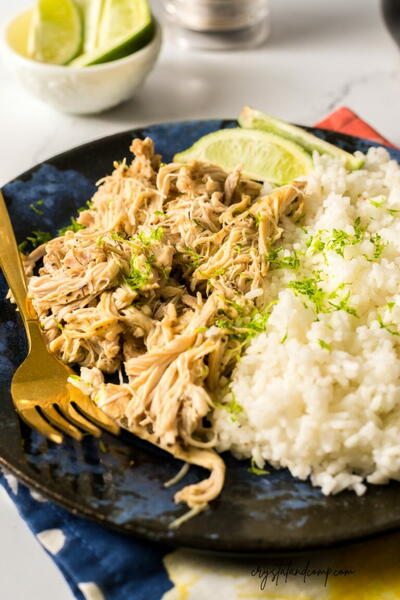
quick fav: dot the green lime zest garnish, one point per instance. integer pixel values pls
(336, 240)
(194, 257)
(34, 207)
(37, 238)
(245, 327)
(325, 345)
(102, 447)
(344, 305)
(388, 326)
(155, 236)
(284, 338)
(377, 201)
(75, 226)
(309, 287)
(255, 470)
(284, 262)
(379, 245)
(233, 407)
(137, 276)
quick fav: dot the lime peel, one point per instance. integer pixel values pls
(255, 119)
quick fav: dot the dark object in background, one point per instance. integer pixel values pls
(391, 16)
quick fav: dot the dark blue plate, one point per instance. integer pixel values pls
(254, 514)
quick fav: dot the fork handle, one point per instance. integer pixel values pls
(12, 267)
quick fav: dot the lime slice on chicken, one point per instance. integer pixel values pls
(255, 119)
(55, 34)
(262, 156)
(122, 27)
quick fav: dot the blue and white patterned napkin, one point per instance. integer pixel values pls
(98, 564)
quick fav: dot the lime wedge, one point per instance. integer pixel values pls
(56, 32)
(255, 119)
(91, 11)
(125, 26)
(263, 156)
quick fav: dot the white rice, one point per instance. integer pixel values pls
(319, 392)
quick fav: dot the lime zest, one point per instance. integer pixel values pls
(309, 287)
(344, 305)
(255, 470)
(137, 277)
(233, 407)
(290, 261)
(74, 226)
(325, 345)
(390, 327)
(37, 238)
(284, 338)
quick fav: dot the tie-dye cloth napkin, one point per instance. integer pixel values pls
(100, 564)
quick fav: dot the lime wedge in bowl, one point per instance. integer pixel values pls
(124, 27)
(55, 34)
(255, 119)
(263, 156)
(91, 11)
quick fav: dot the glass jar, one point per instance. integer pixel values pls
(218, 24)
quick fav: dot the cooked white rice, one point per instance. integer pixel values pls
(319, 391)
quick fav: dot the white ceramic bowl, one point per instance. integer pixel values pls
(77, 90)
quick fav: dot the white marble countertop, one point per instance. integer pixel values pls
(320, 56)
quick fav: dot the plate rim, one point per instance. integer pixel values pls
(61, 155)
(146, 532)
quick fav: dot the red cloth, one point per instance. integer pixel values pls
(346, 121)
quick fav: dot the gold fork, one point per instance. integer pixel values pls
(42, 396)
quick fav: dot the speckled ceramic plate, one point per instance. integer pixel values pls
(254, 514)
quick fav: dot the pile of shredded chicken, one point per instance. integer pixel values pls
(163, 283)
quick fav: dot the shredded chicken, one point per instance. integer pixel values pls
(166, 278)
